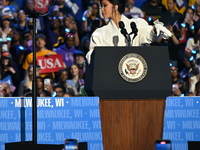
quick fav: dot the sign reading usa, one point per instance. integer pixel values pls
(42, 6)
(52, 63)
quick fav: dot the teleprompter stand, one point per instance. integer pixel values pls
(33, 145)
(131, 113)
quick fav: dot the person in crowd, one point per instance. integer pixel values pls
(40, 88)
(63, 8)
(5, 90)
(21, 22)
(62, 81)
(179, 87)
(41, 51)
(191, 73)
(133, 11)
(5, 33)
(85, 41)
(79, 59)
(49, 84)
(110, 35)
(54, 33)
(16, 48)
(193, 44)
(39, 85)
(196, 15)
(29, 10)
(29, 6)
(197, 89)
(181, 5)
(25, 48)
(185, 26)
(60, 90)
(152, 10)
(5, 9)
(67, 50)
(91, 14)
(170, 16)
(75, 78)
(173, 45)
(26, 85)
(8, 68)
(70, 26)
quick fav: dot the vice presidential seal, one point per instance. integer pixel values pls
(132, 68)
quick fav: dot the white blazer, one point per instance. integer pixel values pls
(110, 35)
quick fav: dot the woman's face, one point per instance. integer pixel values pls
(63, 76)
(174, 71)
(6, 23)
(39, 83)
(16, 36)
(56, 23)
(190, 13)
(74, 70)
(5, 61)
(107, 9)
(21, 15)
(95, 9)
(31, 5)
(67, 21)
(30, 73)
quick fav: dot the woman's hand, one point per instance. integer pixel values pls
(11, 69)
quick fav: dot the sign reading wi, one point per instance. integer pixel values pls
(58, 119)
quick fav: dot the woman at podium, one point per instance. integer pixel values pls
(121, 31)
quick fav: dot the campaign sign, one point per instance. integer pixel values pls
(182, 121)
(42, 6)
(52, 63)
(58, 119)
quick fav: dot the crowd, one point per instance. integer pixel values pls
(59, 32)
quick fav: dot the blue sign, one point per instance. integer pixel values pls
(79, 118)
(182, 121)
(58, 119)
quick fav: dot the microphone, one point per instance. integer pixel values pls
(124, 32)
(134, 29)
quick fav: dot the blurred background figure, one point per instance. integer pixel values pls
(91, 14)
(80, 61)
(133, 11)
(63, 8)
(75, 78)
(49, 84)
(85, 41)
(191, 73)
(8, 68)
(152, 10)
(62, 81)
(179, 86)
(60, 90)
(170, 16)
(70, 26)
(67, 49)
(5, 33)
(26, 85)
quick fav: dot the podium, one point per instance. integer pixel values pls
(131, 111)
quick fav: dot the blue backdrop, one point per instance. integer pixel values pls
(79, 118)
(58, 119)
(182, 121)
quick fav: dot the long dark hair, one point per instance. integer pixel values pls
(121, 4)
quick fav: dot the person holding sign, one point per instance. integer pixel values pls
(40, 51)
